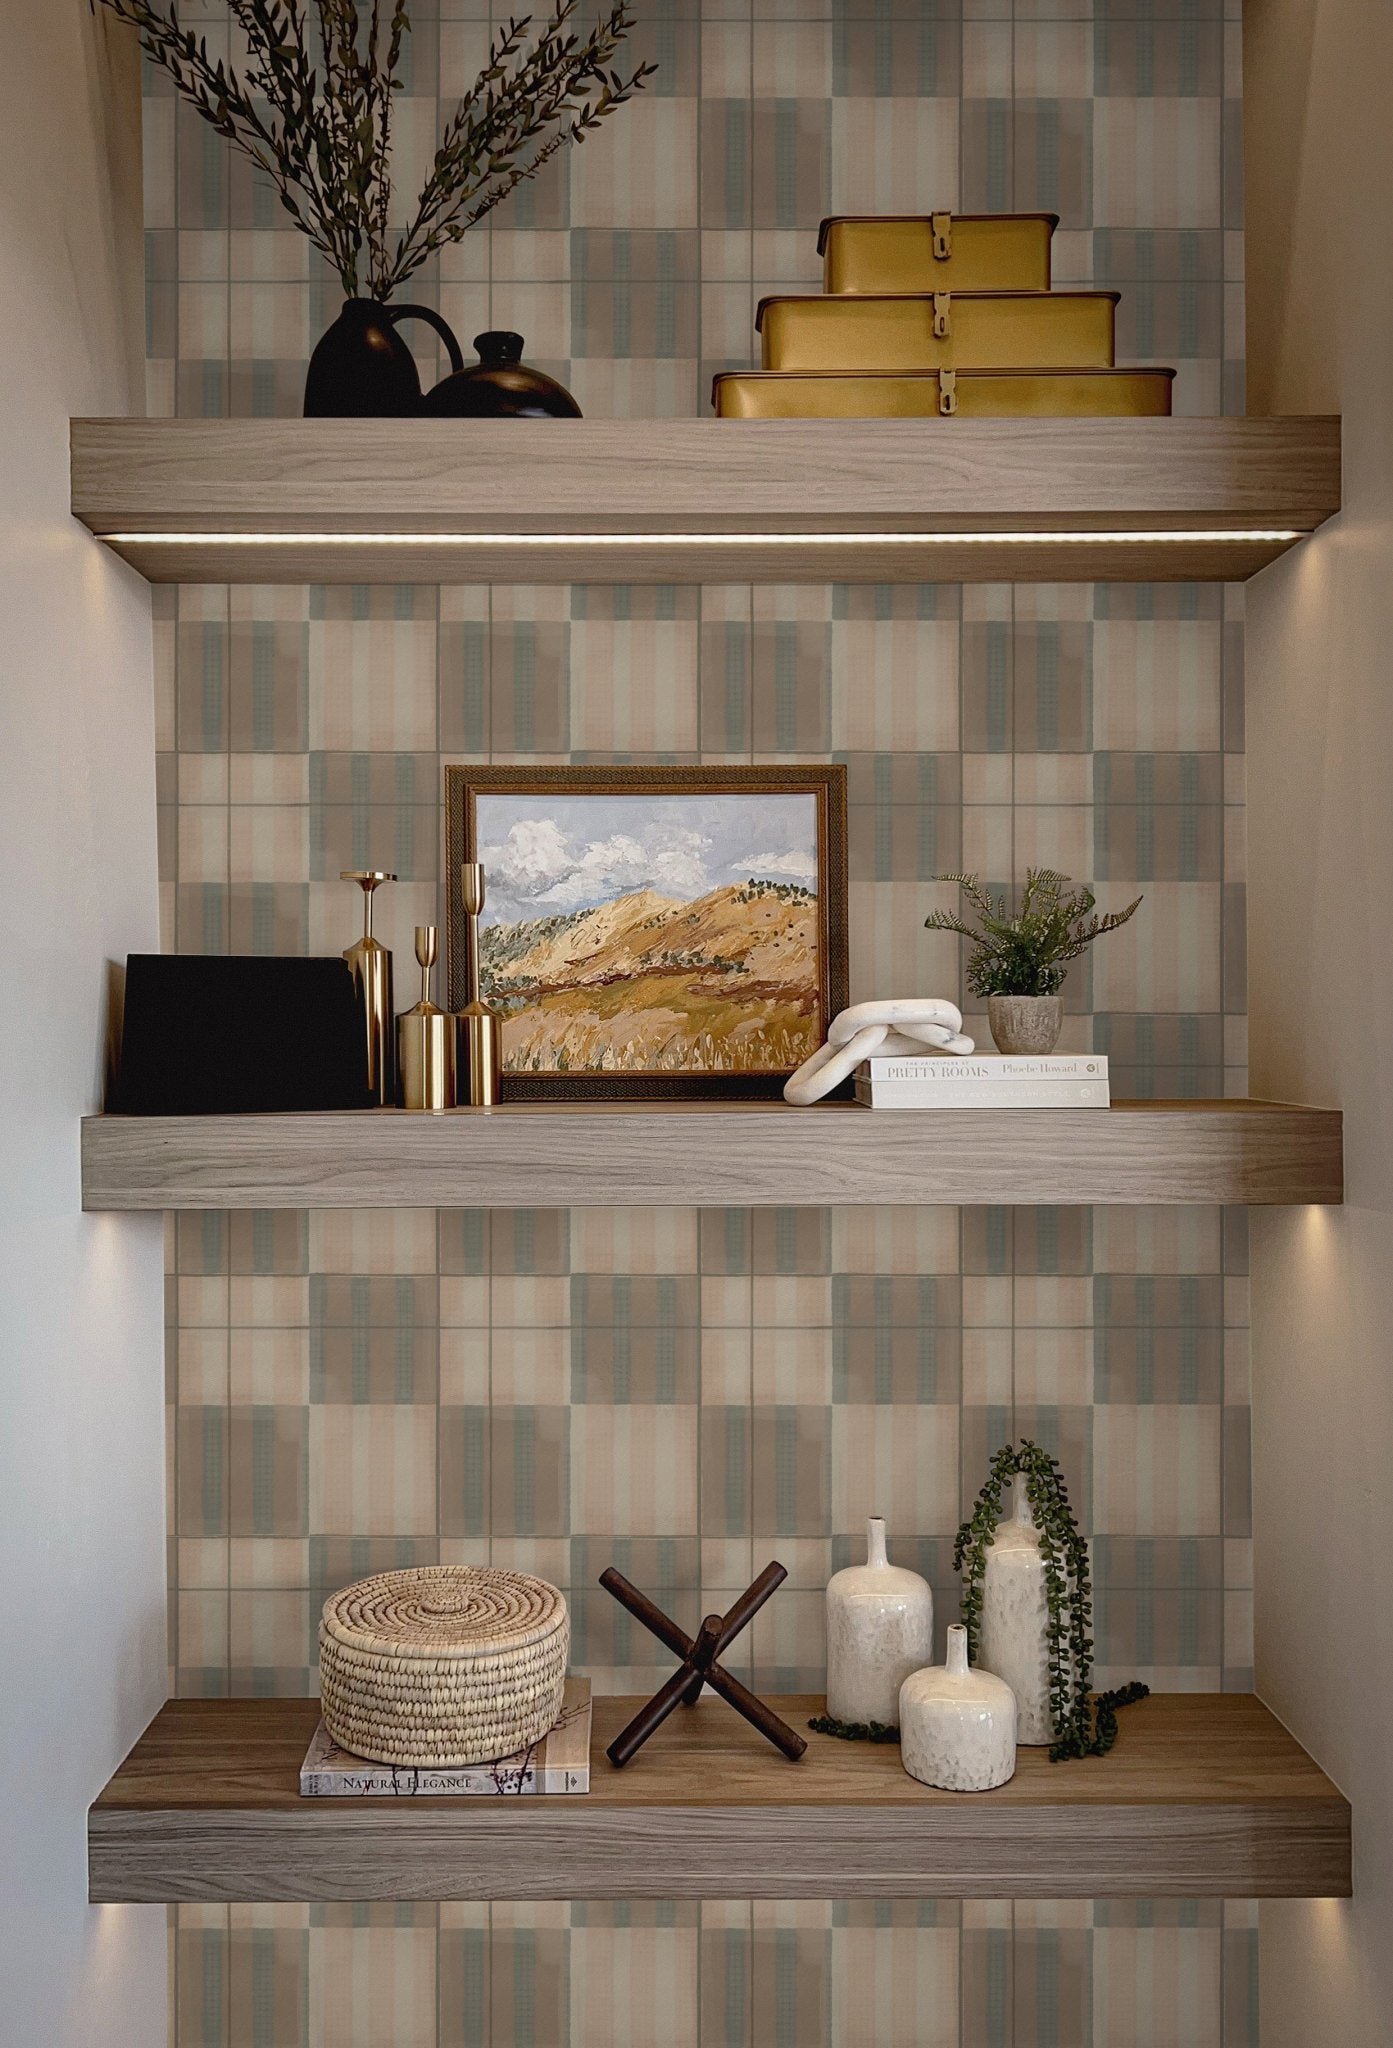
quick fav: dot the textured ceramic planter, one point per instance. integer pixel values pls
(880, 1627)
(1026, 1024)
(1014, 1640)
(957, 1725)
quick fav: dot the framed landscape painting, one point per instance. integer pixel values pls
(653, 932)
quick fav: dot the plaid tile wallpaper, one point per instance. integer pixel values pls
(689, 1393)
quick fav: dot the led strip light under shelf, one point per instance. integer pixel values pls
(1237, 537)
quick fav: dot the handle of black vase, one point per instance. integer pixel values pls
(432, 319)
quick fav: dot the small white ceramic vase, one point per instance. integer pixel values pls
(1014, 1637)
(957, 1725)
(880, 1627)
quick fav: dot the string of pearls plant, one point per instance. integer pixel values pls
(1083, 1726)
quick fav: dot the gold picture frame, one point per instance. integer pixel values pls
(670, 830)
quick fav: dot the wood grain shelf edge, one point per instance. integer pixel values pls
(644, 479)
(717, 1155)
(1205, 1795)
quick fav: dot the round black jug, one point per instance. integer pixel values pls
(500, 386)
(361, 367)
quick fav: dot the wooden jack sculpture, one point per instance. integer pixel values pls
(699, 1666)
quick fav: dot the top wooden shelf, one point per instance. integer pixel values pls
(745, 1155)
(694, 501)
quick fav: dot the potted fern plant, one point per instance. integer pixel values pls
(312, 106)
(1018, 962)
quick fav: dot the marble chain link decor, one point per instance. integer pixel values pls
(901, 1024)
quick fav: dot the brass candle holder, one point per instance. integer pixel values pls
(480, 1050)
(370, 964)
(426, 1039)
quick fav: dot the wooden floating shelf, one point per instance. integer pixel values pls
(692, 501)
(746, 1155)
(1204, 1795)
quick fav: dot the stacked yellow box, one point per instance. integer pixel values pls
(927, 315)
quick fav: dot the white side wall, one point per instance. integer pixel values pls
(1318, 89)
(81, 1424)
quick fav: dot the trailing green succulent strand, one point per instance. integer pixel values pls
(1082, 1727)
(853, 1731)
(1026, 955)
(313, 108)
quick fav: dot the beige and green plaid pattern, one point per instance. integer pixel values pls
(689, 1394)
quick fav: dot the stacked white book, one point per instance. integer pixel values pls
(990, 1081)
(560, 1762)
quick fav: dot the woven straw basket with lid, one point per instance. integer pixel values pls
(441, 1666)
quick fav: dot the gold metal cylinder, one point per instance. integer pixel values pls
(426, 1058)
(481, 1053)
(370, 964)
(426, 1039)
(479, 1056)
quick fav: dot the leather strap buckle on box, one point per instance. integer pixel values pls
(947, 391)
(943, 315)
(942, 226)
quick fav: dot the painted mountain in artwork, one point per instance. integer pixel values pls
(646, 983)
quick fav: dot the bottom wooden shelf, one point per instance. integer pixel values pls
(1205, 1794)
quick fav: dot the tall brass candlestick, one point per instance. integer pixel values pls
(426, 1039)
(480, 1053)
(371, 966)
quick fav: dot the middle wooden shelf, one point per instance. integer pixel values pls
(1205, 1795)
(717, 1155)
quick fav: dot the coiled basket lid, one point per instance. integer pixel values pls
(444, 1665)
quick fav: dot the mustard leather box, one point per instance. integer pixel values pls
(928, 252)
(923, 331)
(930, 394)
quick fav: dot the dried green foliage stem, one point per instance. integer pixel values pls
(312, 108)
(1068, 1597)
(1026, 954)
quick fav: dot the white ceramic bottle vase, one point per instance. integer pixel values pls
(880, 1627)
(957, 1725)
(1014, 1637)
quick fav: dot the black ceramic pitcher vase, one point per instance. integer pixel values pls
(500, 386)
(362, 369)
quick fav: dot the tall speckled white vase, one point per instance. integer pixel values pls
(880, 1627)
(957, 1725)
(1014, 1637)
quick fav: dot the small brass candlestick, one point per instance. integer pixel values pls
(371, 966)
(426, 1039)
(480, 1053)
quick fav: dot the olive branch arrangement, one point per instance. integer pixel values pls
(313, 109)
(1026, 955)
(1083, 1726)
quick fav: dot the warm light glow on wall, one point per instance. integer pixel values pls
(1317, 1224)
(1121, 538)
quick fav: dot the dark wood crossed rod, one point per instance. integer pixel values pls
(699, 1666)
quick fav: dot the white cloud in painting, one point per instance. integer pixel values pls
(567, 852)
(802, 866)
(536, 870)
